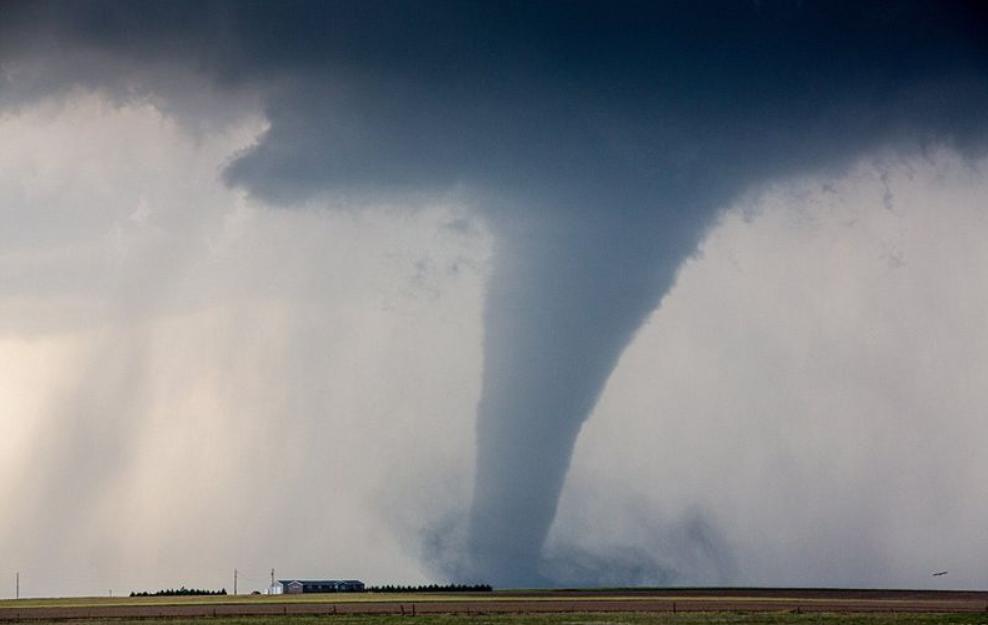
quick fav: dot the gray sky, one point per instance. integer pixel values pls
(331, 274)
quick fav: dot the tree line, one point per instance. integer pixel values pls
(432, 588)
(179, 592)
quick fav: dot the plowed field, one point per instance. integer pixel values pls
(654, 601)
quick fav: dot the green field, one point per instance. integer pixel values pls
(353, 597)
(700, 618)
(573, 607)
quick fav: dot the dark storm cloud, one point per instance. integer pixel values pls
(597, 141)
(533, 95)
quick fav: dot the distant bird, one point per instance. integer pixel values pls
(938, 574)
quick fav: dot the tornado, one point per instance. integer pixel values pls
(562, 304)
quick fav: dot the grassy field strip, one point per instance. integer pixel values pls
(100, 602)
(95, 602)
(631, 618)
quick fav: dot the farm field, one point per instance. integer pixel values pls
(574, 618)
(574, 607)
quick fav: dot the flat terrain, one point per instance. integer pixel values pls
(575, 607)
(633, 618)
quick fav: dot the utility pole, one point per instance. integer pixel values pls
(17, 591)
(234, 581)
(272, 578)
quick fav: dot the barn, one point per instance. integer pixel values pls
(308, 586)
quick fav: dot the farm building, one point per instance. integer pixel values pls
(307, 586)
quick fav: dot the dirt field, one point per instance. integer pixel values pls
(588, 602)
